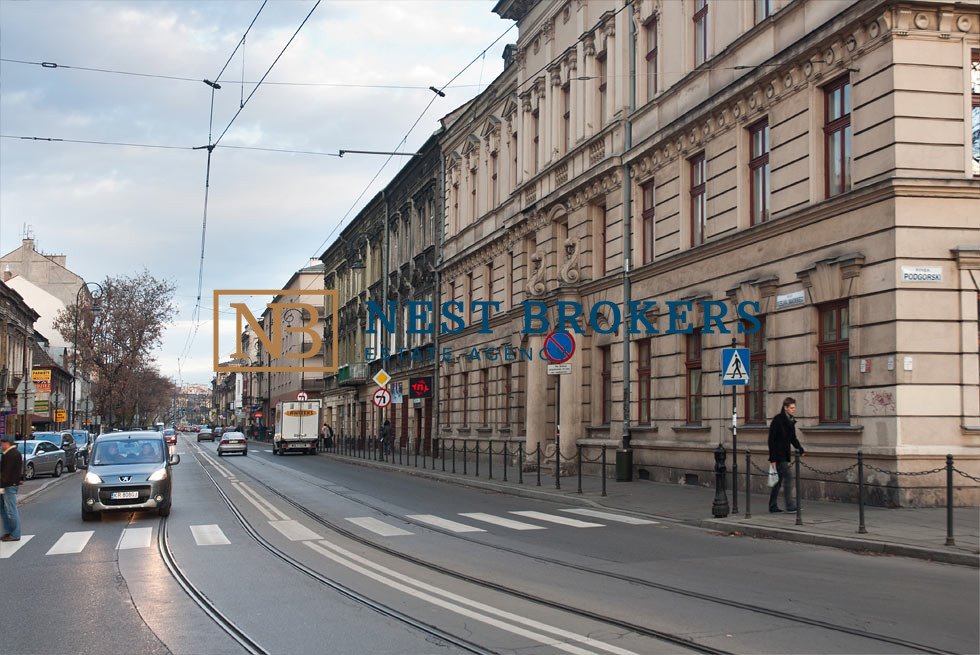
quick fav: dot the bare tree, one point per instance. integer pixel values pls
(115, 344)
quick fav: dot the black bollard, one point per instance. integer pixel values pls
(520, 463)
(748, 484)
(454, 456)
(719, 508)
(477, 448)
(579, 457)
(603, 470)
(464, 456)
(490, 460)
(442, 453)
(557, 465)
(537, 455)
(861, 528)
(505, 461)
(949, 501)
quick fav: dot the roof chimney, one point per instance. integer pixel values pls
(7, 274)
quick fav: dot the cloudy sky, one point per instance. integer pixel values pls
(115, 210)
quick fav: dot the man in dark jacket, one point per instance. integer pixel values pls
(782, 434)
(10, 473)
(385, 438)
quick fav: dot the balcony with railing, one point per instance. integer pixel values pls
(354, 374)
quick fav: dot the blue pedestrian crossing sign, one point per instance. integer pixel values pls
(734, 367)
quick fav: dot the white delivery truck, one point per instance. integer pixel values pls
(297, 426)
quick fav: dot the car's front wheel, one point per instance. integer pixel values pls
(245, 453)
(72, 466)
(88, 515)
(164, 511)
(29, 472)
(58, 469)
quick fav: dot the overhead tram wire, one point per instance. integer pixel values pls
(196, 312)
(195, 80)
(437, 93)
(266, 74)
(49, 139)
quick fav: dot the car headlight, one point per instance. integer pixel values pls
(92, 478)
(158, 475)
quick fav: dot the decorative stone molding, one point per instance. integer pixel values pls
(832, 279)
(569, 272)
(588, 44)
(561, 174)
(535, 281)
(967, 257)
(597, 152)
(761, 291)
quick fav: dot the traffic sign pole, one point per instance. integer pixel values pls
(734, 445)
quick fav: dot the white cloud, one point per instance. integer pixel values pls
(116, 210)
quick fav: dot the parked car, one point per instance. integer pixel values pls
(205, 435)
(128, 471)
(170, 435)
(83, 441)
(41, 458)
(66, 442)
(233, 442)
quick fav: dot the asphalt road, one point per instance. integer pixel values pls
(313, 554)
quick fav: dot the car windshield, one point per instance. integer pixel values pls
(128, 451)
(80, 439)
(53, 437)
(169, 431)
(20, 447)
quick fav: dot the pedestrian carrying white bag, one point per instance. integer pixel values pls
(773, 475)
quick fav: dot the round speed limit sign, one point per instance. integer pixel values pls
(382, 398)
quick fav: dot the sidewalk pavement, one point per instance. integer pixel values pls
(909, 532)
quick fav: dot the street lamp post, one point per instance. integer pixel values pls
(74, 360)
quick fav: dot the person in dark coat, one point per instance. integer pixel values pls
(782, 435)
(386, 438)
(10, 475)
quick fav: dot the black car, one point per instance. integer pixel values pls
(66, 442)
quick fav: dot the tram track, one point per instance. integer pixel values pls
(240, 637)
(719, 600)
(668, 638)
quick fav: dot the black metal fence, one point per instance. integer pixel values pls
(505, 459)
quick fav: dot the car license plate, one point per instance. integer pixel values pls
(123, 495)
(235, 441)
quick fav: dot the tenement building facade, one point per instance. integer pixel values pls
(387, 253)
(817, 161)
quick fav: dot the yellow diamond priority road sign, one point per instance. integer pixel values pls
(381, 378)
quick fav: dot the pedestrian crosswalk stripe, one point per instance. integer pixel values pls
(445, 524)
(71, 542)
(550, 518)
(8, 548)
(294, 530)
(209, 535)
(135, 538)
(378, 527)
(610, 517)
(499, 520)
(267, 450)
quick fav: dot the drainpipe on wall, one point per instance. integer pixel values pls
(624, 457)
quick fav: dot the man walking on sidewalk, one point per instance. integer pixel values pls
(10, 471)
(782, 434)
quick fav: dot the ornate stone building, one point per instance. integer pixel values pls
(812, 157)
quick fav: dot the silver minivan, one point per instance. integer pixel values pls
(128, 471)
